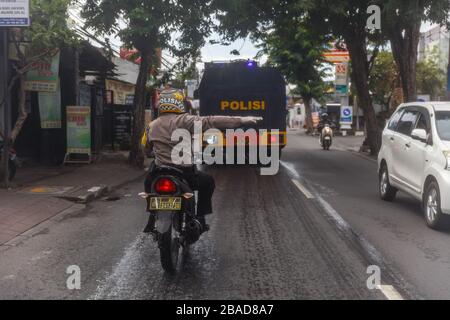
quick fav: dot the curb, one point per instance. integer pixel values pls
(96, 193)
(89, 196)
(40, 227)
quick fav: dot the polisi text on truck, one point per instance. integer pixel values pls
(243, 105)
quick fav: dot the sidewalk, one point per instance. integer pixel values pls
(39, 193)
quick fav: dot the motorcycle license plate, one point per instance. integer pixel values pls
(327, 138)
(164, 203)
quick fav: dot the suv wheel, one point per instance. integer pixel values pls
(432, 208)
(387, 192)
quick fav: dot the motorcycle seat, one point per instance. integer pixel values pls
(168, 170)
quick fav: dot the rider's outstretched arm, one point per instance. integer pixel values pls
(187, 121)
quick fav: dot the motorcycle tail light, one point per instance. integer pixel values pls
(165, 185)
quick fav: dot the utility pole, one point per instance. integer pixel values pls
(6, 106)
(448, 70)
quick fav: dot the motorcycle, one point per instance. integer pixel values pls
(172, 207)
(326, 137)
(13, 161)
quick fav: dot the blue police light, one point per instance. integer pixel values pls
(251, 64)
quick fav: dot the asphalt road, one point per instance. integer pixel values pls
(310, 232)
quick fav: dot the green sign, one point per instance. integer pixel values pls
(43, 75)
(50, 109)
(79, 130)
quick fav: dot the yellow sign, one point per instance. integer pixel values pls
(121, 91)
(337, 56)
(242, 105)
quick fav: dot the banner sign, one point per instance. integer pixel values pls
(14, 13)
(50, 109)
(341, 74)
(123, 119)
(121, 91)
(79, 130)
(43, 75)
(337, 56)
(342, 90)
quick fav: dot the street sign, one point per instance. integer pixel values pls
(191, 85)
(346, 117)
(14, 13)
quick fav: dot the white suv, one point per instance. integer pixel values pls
(415, 158)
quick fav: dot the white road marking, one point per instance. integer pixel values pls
(303, 189)
(390, 292)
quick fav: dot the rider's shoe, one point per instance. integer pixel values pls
(205, 226)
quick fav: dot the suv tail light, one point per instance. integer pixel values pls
(165, 185)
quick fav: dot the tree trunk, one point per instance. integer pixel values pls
(308, 115)
(356, 45)
(405, 43)
(136, 157)
(22, 113)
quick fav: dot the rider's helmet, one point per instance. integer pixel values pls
(171, 101)
(324, 116)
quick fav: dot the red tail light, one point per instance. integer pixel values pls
(165, 185)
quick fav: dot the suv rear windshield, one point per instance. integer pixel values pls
(443, 124)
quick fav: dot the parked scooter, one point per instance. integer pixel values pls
(13, 161)
(326, 137)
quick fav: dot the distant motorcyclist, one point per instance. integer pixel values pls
(172, 116)
(324, 120)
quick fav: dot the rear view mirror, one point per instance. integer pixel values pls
(420, 134)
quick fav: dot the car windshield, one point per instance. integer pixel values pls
(443, 124)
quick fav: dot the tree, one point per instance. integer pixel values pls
(148, 26)
(401, 24)
(383, 79)
(298, 53)
(39, 42)
(431, 78)
(346, 20)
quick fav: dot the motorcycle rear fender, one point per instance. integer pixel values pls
(164, 220)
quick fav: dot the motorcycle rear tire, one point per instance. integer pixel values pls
(169, 249)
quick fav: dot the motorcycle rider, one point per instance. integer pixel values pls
(173, 115)
(324, 120)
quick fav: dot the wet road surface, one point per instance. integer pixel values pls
(309, 232)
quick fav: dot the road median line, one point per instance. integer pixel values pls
(390, 292)
(303, 189)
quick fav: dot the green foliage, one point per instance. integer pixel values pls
(147, 25)
(49, 28)
(400, 13)
(431, 78)
(297, 51)
(382, 79)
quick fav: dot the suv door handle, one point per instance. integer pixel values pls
(408, 145)
(392, 139)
